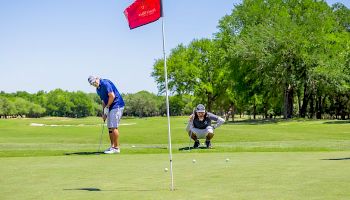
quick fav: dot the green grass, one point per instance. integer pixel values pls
(260, 175)
(293, 159)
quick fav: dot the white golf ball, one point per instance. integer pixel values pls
(165, 169)
(194, 161)
(133, 146)
(227, 159)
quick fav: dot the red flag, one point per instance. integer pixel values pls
(143, 12)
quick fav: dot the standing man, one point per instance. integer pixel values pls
(199, 126)
(113, 106)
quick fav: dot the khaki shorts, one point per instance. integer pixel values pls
(114, 117)
(200, 133)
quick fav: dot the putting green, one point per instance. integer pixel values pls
(288, 175)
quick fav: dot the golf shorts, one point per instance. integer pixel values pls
(114, 117)
(200, 133)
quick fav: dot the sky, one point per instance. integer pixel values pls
(52, 44)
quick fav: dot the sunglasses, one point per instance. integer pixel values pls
(94, 83)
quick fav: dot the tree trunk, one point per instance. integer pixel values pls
(288, 102)
(254, 111)
(299, 101)
(232, 109)
(312, 109)
(305, 102)
(209, 100)
(319, 108)
(228, 113)
(343, 115)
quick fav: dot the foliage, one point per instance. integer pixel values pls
(269, 57)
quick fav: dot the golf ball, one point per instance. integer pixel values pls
(133, 146)
(194, 161)
(165, 169)
(227, 159)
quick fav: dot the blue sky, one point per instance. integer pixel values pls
(58, 43)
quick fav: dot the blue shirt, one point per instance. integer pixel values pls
(106, 86)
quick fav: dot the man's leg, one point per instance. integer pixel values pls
(113, 123)
(114, 137)
(194, 137)
(209, 136)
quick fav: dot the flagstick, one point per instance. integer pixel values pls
(167, 109)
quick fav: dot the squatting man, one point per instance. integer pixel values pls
(199, 126)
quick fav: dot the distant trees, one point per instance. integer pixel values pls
(55, 103)
(17, 106)
(146, 104)
(62, 103)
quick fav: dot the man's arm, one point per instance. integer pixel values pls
(219, 120)
(190, 123)
(111, 97)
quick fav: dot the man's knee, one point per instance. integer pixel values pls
(209, 136)
(191, 133)
(210, 130)
(111, 130)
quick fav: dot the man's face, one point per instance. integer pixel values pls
(95, 83)
(200, 114)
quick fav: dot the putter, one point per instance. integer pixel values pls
(189, 143)
(103, 127)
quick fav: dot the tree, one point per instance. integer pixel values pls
(141, 104)
(195, 70)
(282, 45)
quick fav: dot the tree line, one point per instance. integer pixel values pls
(269, 57)
(62, 103)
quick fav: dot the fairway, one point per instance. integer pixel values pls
(271, 160)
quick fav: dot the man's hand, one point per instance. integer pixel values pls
(191, 117)
(106, 111)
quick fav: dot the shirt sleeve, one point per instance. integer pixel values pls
(219, 120)
(108, 87)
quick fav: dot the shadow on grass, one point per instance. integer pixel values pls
(275, 121)
(255, 121)
(84, 153)
(337, 159)
(100, 190)
(149, 147)
(87, 189)
(191, 148)
(338, 122)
